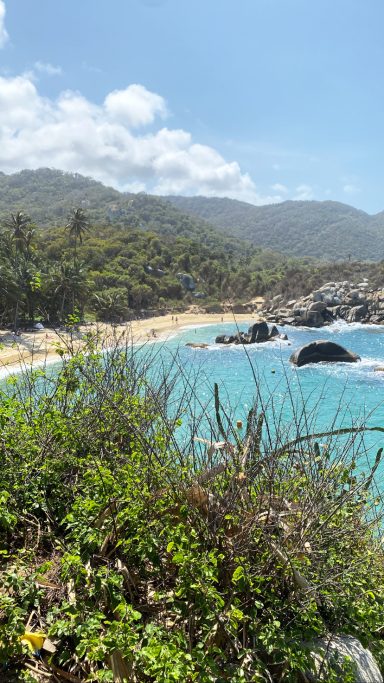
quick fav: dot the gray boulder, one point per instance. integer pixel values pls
(187, 281)
(317, 306)
(357, 313)
(258, 332)
(322, 351)
(335, 649)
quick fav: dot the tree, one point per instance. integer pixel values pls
(111, 304)
(77, 226)
(71, 287)
(19, 225)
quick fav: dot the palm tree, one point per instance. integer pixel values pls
(71, 286)
(111, 305)
(21, 233)
(77, 226)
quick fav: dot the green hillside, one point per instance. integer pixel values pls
(134, 253)
(323, 230)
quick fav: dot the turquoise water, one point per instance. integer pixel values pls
(314, 398)
(334, 395)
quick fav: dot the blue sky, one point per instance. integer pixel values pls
(261, 100)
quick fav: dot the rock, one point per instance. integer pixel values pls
(314, 318)
(355, 296)
(187, 281)
(283, 337)
(157, 272)
(197, 345)
(357, 313)
(273, 332)
(258, 332)
(317, 306)
(322, 351)
(291, 303)
(224, 339)
(325, 650)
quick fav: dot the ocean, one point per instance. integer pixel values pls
(314, 398)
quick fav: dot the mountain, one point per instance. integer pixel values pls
(328, 230)
(325, 230)
(48, 195)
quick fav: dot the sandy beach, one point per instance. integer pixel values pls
(47, 345)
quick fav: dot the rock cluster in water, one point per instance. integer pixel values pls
(257, 333)
(333, 301)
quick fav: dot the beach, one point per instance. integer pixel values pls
(47, 345)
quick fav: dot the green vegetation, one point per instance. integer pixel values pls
(144, 560)
(330, 231)
(114, 268)
(117, 254)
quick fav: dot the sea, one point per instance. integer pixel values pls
(316, 398)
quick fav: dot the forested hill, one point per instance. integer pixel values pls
(48, 195)
(326, 230)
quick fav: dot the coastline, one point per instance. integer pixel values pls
(48, 345)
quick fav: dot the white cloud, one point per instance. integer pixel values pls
(304, 193)
(135, 106)
(278, 187)
(110, 142)
(3, 32)
(349, 188)
(48, 69)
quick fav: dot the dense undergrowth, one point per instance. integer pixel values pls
(148, 557)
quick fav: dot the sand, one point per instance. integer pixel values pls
(44, 346)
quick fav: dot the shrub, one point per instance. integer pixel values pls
(148, 555)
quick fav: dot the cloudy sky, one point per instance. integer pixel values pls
(260, 100)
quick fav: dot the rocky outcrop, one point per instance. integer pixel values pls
(187, 281)
(323, 351)
(257, 333)
(333, 301)
(335, 649)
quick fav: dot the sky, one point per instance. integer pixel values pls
(258, 100)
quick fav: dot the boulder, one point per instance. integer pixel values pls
(258, 332)
(323, 351)
(187, 281)
(225, 339)
(355, 296)
(273, 332)
(357, 313)
(314, 318)
(334, 649)
(317, 306)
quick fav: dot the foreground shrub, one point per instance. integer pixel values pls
(147, 560)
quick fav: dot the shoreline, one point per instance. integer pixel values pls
(46, 346)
